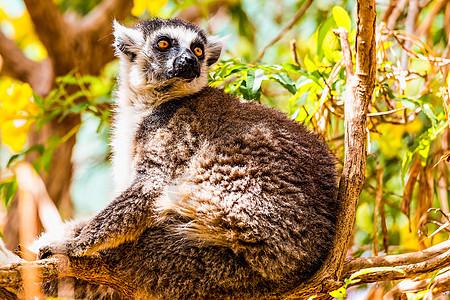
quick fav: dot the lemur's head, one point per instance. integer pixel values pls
(164, 58)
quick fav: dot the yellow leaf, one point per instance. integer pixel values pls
(155, 6)
(139, 7)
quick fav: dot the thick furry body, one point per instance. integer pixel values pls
(217, 197)
(230, 199)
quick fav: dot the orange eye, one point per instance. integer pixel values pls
(198, 51)
(163, 44)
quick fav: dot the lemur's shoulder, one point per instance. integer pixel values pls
(229, 108)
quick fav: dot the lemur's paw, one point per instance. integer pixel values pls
(50, 250)
(72, 247)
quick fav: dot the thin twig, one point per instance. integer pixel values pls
(288, 27)
(383, 113)
(346, 50)
(396, 12)
(293, 47)
(439, 284)
(410, 24)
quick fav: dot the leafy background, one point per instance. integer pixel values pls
(407, 171)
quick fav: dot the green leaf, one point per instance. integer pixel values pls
(45, 159)
(285, 81)
(340, 293)
(430, 114)
(423, 150)
(421, 102)
(407, 160)
(373, 270)
(9, 190)
(259, 75)
(341, 18)
(35, 148)
(253, 84)
(291, 68)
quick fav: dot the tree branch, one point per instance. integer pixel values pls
(439, 284)
(288, 27)
(95, 32)
(98, 21)
(359, 90)
(347, 51)
(412, 264)
(93, 269)
(15, 64)
(410, 26)
(52, 30)
(395, 14)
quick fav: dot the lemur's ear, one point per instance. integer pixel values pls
(215, 45)
(127, 40)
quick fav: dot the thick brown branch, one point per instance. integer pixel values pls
(359, 91)
(95, 269)
(11, 275)
(15, 64)
(92, 269)
(99, 20)
(358, 95)
(52, 30)
(94, 35)
(288, 27)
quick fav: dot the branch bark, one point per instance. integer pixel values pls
(358, 94)
(96, 270)
(359, 90)
(15, 64)
(93, 269)
(439, 284)
(98, 21)
(410, 27)
(53, 31)
(413, 264)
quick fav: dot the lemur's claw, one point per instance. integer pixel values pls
(47, 251)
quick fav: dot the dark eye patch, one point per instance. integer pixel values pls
(163, 43)
(197, 44)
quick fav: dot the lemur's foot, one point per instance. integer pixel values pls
(50, 250)
(75, 247)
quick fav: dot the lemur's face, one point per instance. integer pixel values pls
(165, 56)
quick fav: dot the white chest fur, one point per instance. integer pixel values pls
(126, 123)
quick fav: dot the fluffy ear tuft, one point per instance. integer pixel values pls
(127, 40)
(215, 45)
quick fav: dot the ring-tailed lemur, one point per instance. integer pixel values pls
(217, 197)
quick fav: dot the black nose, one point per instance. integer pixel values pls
(186, 66)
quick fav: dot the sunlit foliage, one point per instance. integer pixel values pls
(302, 75)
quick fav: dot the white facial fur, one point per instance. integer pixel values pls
(140, 90)
(143, 86)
